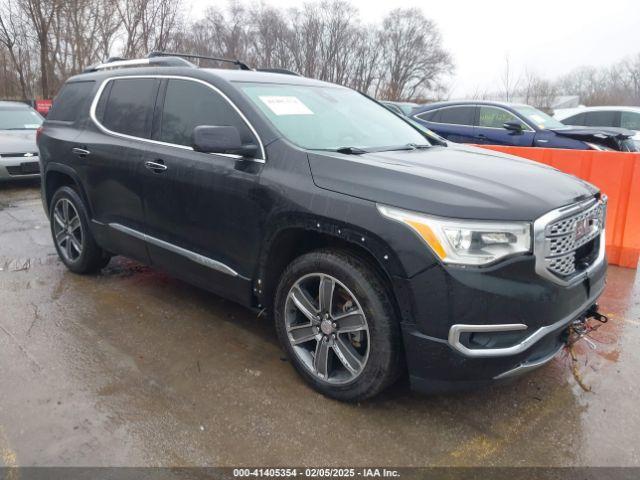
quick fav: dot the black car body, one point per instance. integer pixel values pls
(237, 222)
(500, 123)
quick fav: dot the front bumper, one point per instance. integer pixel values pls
(13, 168)
(511, 300)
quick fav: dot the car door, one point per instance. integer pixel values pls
(203, 211)
(115, 146)
(490, 129)
(455, 123)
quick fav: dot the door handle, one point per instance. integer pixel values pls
(81, 152)
(157, 167)
(482, 135)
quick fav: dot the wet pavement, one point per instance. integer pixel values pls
(132, 367)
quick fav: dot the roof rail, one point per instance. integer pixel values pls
(238, 63)
(117, 62)
(283, 71)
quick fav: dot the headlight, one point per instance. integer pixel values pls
(465, 242)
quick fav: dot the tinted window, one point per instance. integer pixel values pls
(129, 108)
(495, 118)
(630, 120)
(428, 116)
(188, 104)
(600, 119)
(574, 120)
(455, 115)
(70, 101)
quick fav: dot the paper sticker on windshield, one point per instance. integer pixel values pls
(281, 105)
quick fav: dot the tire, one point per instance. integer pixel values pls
(373, 353)
(80, 254)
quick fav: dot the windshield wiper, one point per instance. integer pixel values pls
(351, 150)
(407, 146)
(419, 146)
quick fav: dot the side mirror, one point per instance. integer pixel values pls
(513, 126)
(222, 139)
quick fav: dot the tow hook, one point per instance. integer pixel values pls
(580, 328)
(596, 315)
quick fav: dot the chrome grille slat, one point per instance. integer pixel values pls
(557, 243)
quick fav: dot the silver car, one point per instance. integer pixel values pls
(18, 150)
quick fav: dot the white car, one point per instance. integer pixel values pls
(18, 150)
(622, 117)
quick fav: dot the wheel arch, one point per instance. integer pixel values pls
(59, 175)
(302, 236)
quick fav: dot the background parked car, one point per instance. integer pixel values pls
(18, 150)
(623, 117)
(496, 123)
(401, 108)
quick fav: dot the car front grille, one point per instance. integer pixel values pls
(568, 239)
(28, 168)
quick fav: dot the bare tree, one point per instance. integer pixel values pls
(538, 91)
(41, 15)
(509, 80)
(413, 56)
(12, 37)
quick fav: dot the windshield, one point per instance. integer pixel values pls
(538, 118)
(17, 118)
(330, 118)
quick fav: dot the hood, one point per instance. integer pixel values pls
(455, 181)
(609, 136)
(18, 141)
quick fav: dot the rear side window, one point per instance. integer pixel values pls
(574, 120)
(70, 101)
(455, 116)
(600, 119)
(129, 106)
(189, 104)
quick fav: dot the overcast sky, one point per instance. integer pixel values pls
(549, 37)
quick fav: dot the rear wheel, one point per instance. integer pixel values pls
(72, 237)
(335, 319)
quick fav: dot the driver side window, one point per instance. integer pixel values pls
(491, 117)
(188, 104)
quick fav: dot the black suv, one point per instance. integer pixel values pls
(377, 248)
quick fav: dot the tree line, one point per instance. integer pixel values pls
(615, 84)
(43, 42)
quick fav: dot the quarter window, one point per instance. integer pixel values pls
(189, 104)
(70, 101)
(491, 117)
(129, 107)
(574, 120)
(630, 120)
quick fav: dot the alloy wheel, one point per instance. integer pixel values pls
(67, 230)
(327, 328)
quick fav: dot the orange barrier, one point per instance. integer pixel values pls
(618, 175)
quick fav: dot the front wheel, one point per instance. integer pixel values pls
(335, 319)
